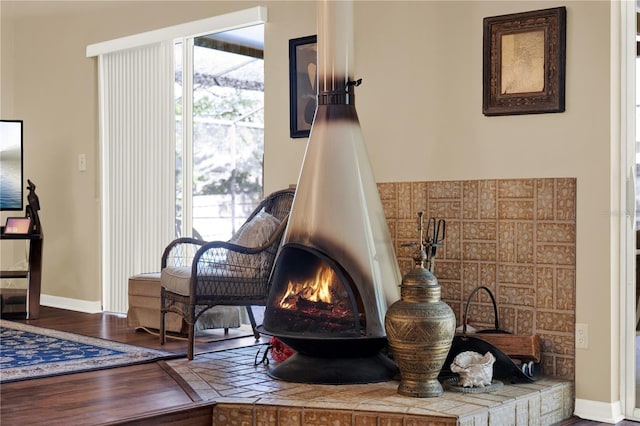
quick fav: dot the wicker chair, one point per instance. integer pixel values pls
(197, 275)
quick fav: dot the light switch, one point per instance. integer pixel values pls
(82, 162)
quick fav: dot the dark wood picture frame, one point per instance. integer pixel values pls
(303, 81)
(524, 59)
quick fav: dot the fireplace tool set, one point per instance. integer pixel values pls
(436, 232)
(433, 240)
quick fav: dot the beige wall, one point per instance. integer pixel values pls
(419, 106)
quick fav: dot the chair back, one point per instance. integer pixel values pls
(277, 204)
(242, 274)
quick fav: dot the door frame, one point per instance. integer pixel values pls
(623, 57)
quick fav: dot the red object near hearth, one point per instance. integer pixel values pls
(279, 351)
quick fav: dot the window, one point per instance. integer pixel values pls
(221, 145)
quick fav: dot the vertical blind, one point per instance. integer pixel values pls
(138, 165)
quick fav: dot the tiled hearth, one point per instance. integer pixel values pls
(243, 394)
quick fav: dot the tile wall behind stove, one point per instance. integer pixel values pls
(515, 236)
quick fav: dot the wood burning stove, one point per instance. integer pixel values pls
(336, 272)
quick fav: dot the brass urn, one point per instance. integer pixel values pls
(420, 329)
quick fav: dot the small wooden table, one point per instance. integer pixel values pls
(33, 274)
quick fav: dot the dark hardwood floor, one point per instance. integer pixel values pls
(146, 394)
(139, 394)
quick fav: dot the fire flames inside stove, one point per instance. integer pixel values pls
(317, 290)
(316, 298)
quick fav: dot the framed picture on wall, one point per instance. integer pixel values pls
(303, 78)
(524, 62)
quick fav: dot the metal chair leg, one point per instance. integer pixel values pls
(253, 322)
(163, 313)
(191, 343)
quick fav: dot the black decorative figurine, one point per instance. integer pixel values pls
(33, 207)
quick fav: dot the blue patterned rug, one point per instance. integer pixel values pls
(29, 352)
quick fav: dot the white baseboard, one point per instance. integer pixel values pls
(607, 412)
(71, 304)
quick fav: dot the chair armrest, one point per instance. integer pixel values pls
(181, 252)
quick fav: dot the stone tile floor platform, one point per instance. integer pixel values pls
(244, 394)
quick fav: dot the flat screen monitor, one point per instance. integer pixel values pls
(11, 178)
